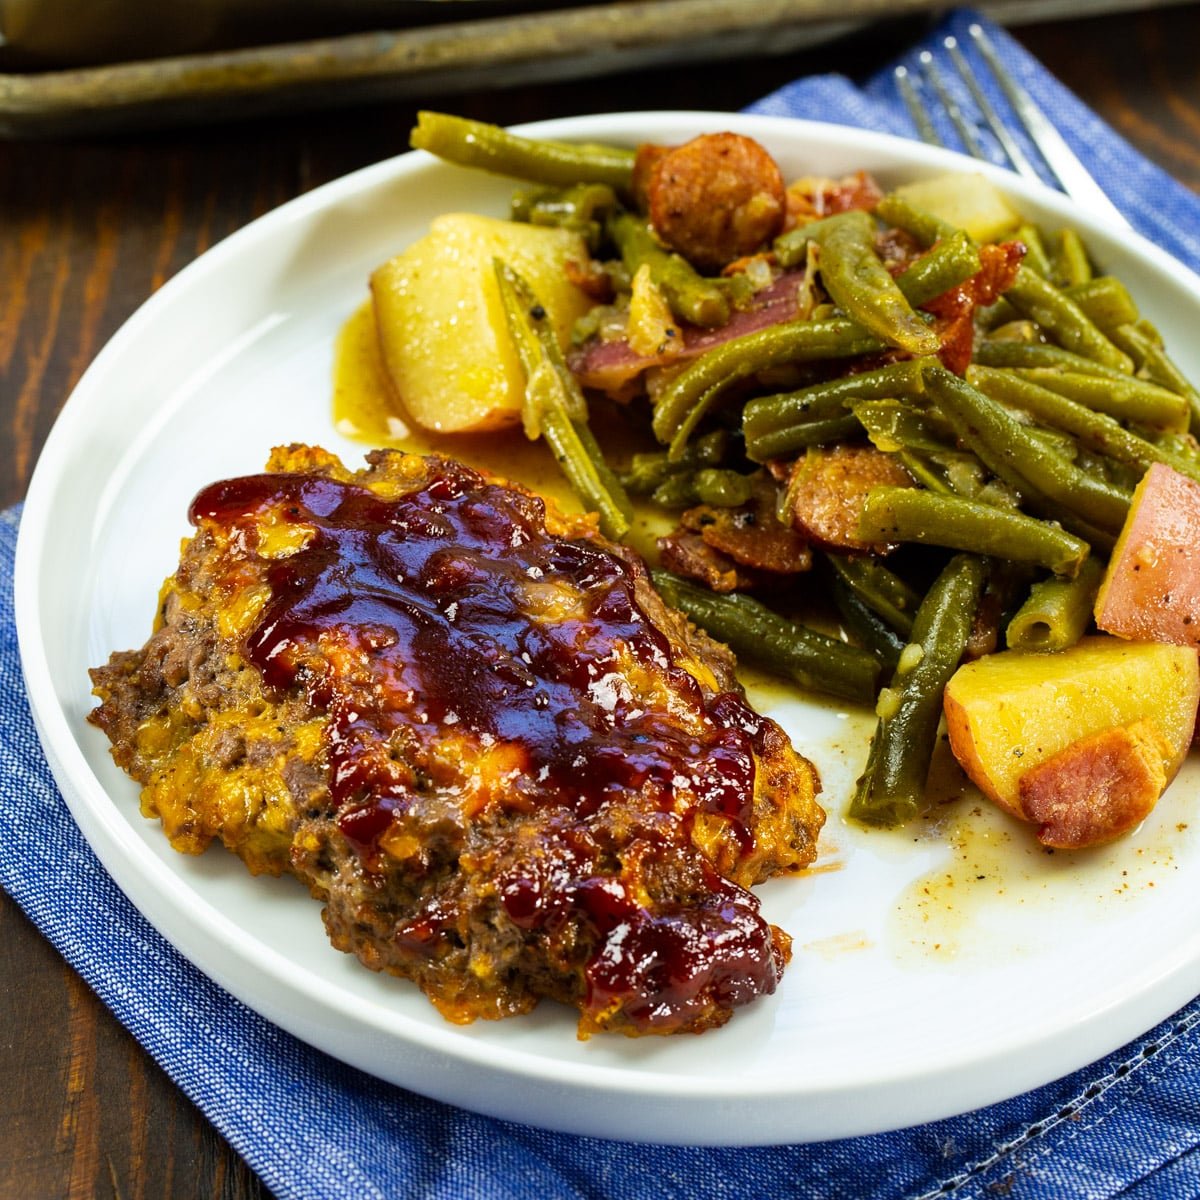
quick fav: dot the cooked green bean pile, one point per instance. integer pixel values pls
(953, 424)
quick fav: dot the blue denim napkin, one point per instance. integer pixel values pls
(1159, 207)
(1128, 1126)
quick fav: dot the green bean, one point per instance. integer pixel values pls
(818, 432)
(791, 248)
(1058, 611)
(1149, 330)
(950, 262)
(996, 316)
(611, 501)
(1054, 440)
(863, 288)
(1138, 339)
(1019, 332)
(1064, 320)
(879, 588)
(1128, 399)
(924, 226)
(868, 627)
(1036, 258)
(648, 470)
(777, 425)
(552, 406)
(1072, 267)
(691, 297)
(1106, 301)
(1182, 448)
(706, 377)
(677, 446)
(967, 477)
(897, 514)
(925, 472)
(490, 148)
(768, 413)
(958, 473)
(818, 402)
(994, 352)
(814, 660)
(722, 488)
(1154, 364)
(712, 486)
(1095, 430)
(1020, 457)
(924, 446)
(676, 492)
(893, 425)
(580, 208)
(892, 789)
(579, 203)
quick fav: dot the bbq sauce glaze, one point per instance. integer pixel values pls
(450, 611)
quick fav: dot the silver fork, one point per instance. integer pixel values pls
(1060, 160)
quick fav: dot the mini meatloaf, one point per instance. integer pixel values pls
(470, 725)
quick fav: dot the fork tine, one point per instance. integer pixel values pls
(1061, 160)
(965, 132)
(916, 110)
(1011, 146)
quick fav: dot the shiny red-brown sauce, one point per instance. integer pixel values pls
(428, 597)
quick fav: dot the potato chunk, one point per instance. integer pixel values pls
(1151, 589)
(1008, 713)
(441, 324)
(967, 201)
(1097, 788)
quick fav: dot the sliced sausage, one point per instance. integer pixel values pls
(716, 198)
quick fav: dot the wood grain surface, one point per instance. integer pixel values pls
(88, 230)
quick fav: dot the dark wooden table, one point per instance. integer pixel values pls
(88, 230)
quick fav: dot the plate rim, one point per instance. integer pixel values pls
(122, 855)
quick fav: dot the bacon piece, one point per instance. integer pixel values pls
(689, 555)
(591, 278)
(751, 534)
(611, 366)
(955, 310)
(813, 197)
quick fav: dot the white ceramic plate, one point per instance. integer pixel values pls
(935, 970)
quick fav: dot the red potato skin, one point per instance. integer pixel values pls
(1097, 788)
(1151, 590)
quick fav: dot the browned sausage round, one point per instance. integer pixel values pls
(715, 198)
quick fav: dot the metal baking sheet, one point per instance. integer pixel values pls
(475, 43)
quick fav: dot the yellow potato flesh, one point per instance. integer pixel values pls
(1009, 712)
(968, 202)
(442, 329)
